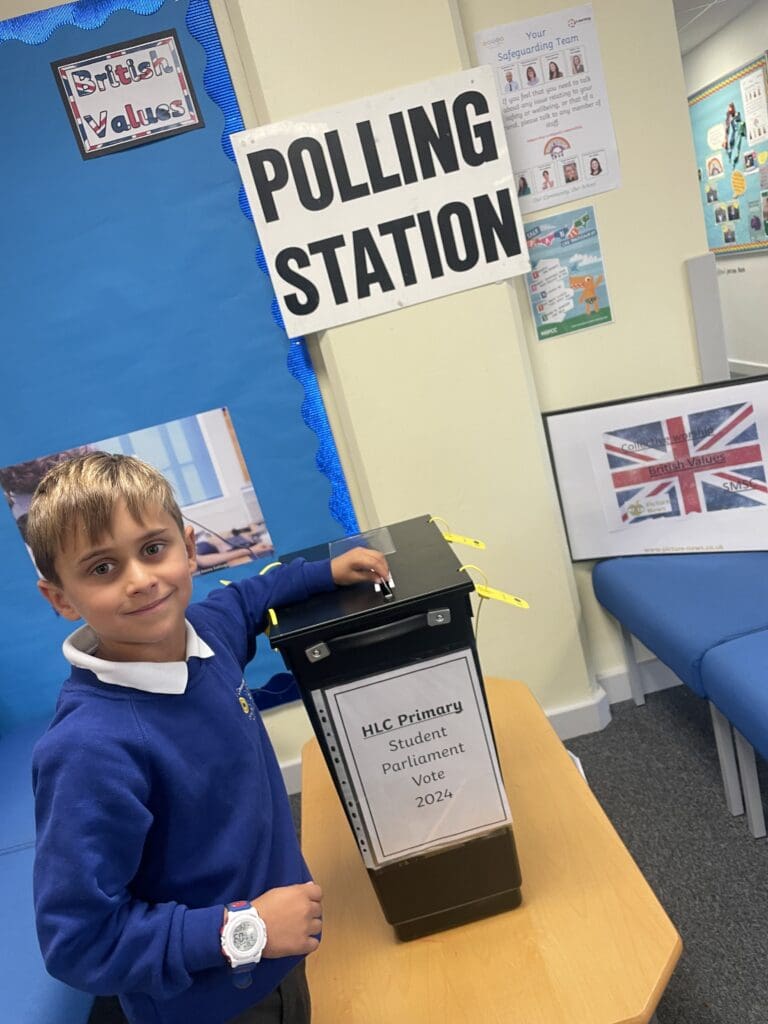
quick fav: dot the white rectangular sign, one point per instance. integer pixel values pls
(549, 74)
(419, 760)
(384, 202)
(678, 472)
(129, 94)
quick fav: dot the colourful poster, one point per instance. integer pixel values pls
(682, 471)
(131, 93)
(566, 285)
(705, 461)
(729, 120)
(549, 75)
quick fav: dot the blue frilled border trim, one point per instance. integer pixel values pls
(36, 28)
(218, 85)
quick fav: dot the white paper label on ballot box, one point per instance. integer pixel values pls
(419, 765)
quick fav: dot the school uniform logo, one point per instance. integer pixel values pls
(245, 699)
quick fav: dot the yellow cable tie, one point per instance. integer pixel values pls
(439, 519)
(500, 595)
(463, 568)
(272, 616)
(268, 567)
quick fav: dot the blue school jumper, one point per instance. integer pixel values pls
(158, 800)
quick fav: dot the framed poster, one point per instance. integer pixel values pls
(677, 472)
(128, 94)
(729, 120)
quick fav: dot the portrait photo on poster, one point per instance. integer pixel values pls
(201, 458)
(676, 472)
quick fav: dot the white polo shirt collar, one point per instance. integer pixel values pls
(169, 677)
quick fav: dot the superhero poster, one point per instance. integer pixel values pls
(729, 120)
(566, 286)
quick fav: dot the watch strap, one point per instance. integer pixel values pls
(242, 975)
(238, 905)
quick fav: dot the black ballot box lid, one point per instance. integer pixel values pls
(423, 567)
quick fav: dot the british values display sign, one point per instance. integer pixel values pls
(418, 764)
(134, 92)
(384, 202)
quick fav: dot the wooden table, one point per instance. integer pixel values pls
(590, 944)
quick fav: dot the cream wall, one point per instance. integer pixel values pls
(648, 228)
(15, 8)
(436, 402)
(437, 408)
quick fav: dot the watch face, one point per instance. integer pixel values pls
(245, 936)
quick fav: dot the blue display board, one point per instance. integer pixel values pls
(132, 295)
(729, 119)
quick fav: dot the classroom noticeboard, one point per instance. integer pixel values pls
(729, 120)
(384, 202)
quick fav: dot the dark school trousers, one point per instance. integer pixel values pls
(288, 1004)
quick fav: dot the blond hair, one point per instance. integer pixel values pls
(80, 494)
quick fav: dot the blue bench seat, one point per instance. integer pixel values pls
(705, 616)
(735, 676)
(681, 606)
(28, 994)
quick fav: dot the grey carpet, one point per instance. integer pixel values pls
(654, 770)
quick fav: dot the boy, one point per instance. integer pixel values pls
(167, 869)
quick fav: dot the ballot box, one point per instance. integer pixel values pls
(392, 684)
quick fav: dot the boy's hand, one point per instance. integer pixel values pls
(360, 565)
(293, 915)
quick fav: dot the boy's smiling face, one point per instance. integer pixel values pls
(132, 586)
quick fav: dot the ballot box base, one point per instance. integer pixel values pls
(449, 887)
(444, 919)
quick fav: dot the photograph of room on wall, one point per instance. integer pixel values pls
(201, 457)
(678, 472)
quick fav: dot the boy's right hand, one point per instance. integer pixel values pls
(293, 915)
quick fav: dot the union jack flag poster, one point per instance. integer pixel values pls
(668, 473)
(695, 462)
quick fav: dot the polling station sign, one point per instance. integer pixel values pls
(384, 202)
